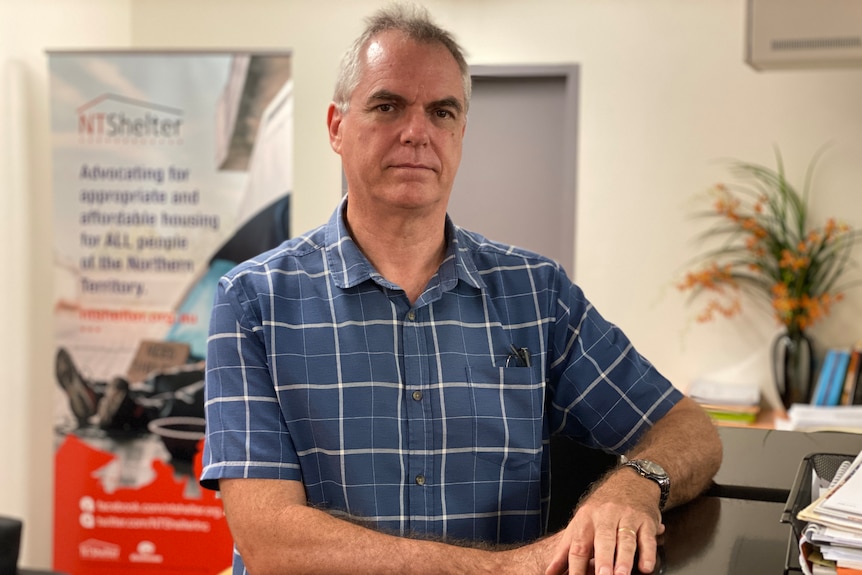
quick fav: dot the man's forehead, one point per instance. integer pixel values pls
(374, 52)
(394, 45)
(388, 68)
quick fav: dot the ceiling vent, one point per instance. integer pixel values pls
(800, 34)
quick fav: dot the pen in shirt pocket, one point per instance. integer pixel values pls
(521, 355)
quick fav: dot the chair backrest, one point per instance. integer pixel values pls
(10, 544)
(573, 468)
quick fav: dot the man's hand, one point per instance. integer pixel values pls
(619, 518)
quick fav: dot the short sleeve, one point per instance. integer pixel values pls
(246, 436)
(602, 391)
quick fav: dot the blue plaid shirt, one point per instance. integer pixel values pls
(417, 418)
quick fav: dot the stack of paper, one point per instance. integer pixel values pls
(832, 540)
(727, 402)
(802, 417)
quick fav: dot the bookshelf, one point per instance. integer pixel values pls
(837, 383)
(839, 378)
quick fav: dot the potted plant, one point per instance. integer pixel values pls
(765, 246)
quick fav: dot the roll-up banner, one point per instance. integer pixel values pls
(168, 169)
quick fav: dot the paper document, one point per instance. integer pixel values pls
(819, 485)
(805, 417)
(846, 496)
(840, 506)
(706, 391)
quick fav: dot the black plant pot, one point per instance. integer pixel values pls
(793, 367)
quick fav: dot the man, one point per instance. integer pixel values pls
(381, 391)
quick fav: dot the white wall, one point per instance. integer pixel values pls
(665, 94)
(27, 30)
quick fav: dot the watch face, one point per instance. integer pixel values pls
(651, 467)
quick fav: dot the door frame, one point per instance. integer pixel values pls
(570, 74)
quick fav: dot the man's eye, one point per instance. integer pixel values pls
(385, 107)
(444, 114)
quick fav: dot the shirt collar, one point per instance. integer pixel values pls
(349, 266)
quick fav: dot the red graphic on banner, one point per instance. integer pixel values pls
(103, 526)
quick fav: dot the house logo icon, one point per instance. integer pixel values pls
(96, 550)
(114, 119)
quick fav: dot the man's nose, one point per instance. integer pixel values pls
(416, 128)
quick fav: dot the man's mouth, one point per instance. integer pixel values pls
(412, 166)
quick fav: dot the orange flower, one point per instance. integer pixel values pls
(707, 278)
(789, 260)
(768, 249)
(830, 228)
(716, 307)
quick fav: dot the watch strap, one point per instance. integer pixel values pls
(653, 471)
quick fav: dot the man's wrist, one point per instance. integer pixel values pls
(654, 472)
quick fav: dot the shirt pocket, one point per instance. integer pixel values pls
(508, 408)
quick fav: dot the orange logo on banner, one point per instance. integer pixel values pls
(165, 523)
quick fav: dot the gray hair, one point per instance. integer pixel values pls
(412, 21)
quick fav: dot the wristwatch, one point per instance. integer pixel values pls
(654, 471)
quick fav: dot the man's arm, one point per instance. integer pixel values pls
(686, 443)
(621, 515)
(276, 532)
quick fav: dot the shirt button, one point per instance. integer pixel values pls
(411, 315)
(417, 395)
(420, 479)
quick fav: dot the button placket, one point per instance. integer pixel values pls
(419, 444)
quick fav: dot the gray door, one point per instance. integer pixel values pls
(516, 183)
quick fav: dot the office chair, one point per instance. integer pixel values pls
(10, 544)
(573, 468)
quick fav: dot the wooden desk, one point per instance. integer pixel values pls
(727, 536)
(762, 463)
(737, 529)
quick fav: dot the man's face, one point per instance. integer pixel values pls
(400, 141)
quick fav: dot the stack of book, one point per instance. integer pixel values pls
(838, 381)
(831, 542)
(739, 403)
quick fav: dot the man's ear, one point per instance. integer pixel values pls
(333, 122)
